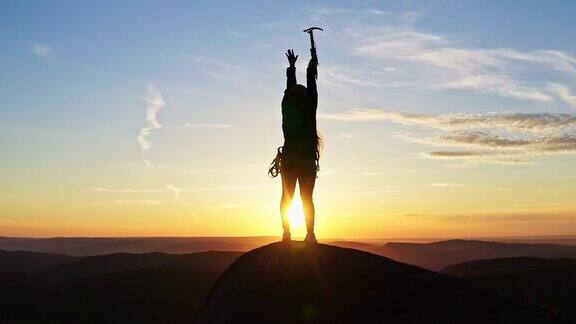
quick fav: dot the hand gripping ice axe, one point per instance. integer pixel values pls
(312, 45)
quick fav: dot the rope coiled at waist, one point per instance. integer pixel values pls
(293, 152)
(274, 169)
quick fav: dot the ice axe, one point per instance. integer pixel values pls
(312, 45)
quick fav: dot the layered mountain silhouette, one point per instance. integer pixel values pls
(115, 288)
(88, 246)
(549, 283)
(297, 282)
(437, 255)
(434, 256)
(118, 262)
(31, 262)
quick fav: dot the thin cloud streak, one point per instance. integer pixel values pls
(347, 135)
(203, 125)
(550, 144)
(532, 122)
(148, 202)
(491, 148)
(440, 62)
(127, 190)
(155, 102)
(175, 191)
(43, 50)
(226, 72)
(482, 134)
(442, 185)
(564, 93)
(457, 67)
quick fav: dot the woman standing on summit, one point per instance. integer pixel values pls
(298, 161)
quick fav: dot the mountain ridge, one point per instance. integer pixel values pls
(292, 282)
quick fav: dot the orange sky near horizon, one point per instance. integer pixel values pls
(440, 118)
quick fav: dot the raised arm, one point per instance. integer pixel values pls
(291, 70)
(311, 75)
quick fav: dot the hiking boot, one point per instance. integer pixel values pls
(311, 238)
(286, 236)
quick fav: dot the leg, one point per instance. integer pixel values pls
(288, 187)
(307, 182)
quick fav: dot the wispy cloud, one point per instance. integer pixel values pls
(217, 63)
(175, 191)
(168, 188)
(497, 189)
(339, 78)
(518, 217)
(564, 93)
(533, 122)
(507, 138)
(154, 102)
(371, 174)
(203, 125)
(346, 135)
(483, 147)
(327, 173)
(227, 207)
(373, 191)
(442, 185)
(43, 50)
(441, 62)
(148, 202)
(226, 72)
(468, 158)
(222, 188)
(482, 140)
(485, 70)
(127, 190)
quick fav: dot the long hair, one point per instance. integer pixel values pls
(319, 144)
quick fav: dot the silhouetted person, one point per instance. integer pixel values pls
(300, 153)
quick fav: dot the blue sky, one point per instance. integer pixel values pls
(435, 99)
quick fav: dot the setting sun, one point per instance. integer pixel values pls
(296, 214)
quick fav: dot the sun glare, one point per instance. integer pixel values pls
(296, 214)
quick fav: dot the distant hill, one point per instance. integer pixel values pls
(437, 255)
(88, 246)
(152, 287)
(375, 249)
(507, 266)
(116, 288)
(117, 262)
(151, 295)
(31, 262)
(549, 283)
(296, 282)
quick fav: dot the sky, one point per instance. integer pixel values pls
(159, 118)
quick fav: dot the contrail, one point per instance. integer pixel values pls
(155, 103)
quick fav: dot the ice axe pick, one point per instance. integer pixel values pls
(312, 45)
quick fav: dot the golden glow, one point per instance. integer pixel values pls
(296, 214)
(393, 202)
